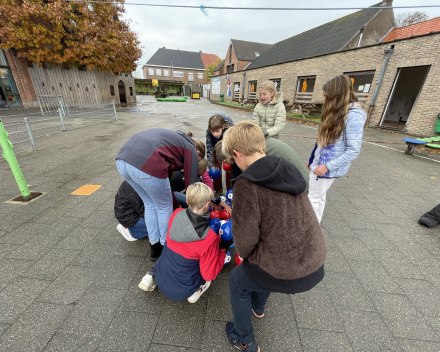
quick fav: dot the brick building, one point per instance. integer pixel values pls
(21, 81)
(187, 67)
(407, 99)
(239, 55)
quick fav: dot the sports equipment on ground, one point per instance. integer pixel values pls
(215, 224)
(214, 214)
(224, 215)
(238, 259)
(226, 231)
(214, 172)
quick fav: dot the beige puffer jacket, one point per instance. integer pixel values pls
(271, 116)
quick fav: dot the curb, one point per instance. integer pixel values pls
(232, 107)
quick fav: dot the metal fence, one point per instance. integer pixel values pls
(24, 127)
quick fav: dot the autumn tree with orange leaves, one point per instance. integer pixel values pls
(91, 35)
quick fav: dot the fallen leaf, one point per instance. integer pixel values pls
(432, 177)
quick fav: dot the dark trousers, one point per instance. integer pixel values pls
(245, 295)
(218, 181)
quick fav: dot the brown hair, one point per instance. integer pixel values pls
(245, 137)
(203, 165)
(216, 122)
(189, 133)
(338, 95)
(200, 147)
(270, 87)
(218, 156)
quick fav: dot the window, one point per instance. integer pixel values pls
(230, 68)
(151, 71)
(253, 87)
(277, 82)
(236, 90)
(131, 90)
(65, 66)
(361, 83)
(3, 58)
(190, 76)
(47, 65)
(82, 68)
(112, 90)
(166, 73)
(30, 64)
(200, 75)
(304, 89)
(158, 72)
(177, 74)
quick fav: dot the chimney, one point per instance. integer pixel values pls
(163, 47)
(200, 51)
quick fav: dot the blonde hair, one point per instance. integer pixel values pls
(270, 87)
(216, 122)
(338, 95)
(197, 195)
(203, 165)
(218, 155)
(245, 137)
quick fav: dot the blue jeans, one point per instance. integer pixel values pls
(245, 295)
(156, 195)
(139, 230)
(181, 198)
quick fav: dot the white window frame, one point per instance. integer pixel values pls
(151, 71)
(190, 74)
(158, 72)
(178, 74)
(200, 75)
(166, 73)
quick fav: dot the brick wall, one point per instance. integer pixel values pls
(417, 51)
(20, 71)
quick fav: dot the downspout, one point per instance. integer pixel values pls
(388, 53)
(243, 87)
(360, 36)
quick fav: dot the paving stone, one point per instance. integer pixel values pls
(94, 312)
(79, 239)
(168, 348)
(346, 292)
(434, 322)
(137, 300)
(373, 277)
(397, 265)
(353, 248)
(22, 234)
(3, 328)
(374, 239)
(6, 248)
(358, 221)
(214, 337)
(35, 248)
(314, 310)
(337, 228)
(335, 261)
(34, 328)
(49, 267)
(18, 296)
(423, 295)
(219, 307)
(366, 331)
(417, 254)
(64, 342)
(402, 318)
(413, 345)
(181, 323)
(119, 273)
(129, 331)
(317, 340)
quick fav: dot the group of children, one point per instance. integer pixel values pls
(277, 204)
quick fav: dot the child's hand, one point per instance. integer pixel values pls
(227, 207)
(321, 170)
(308, 167)
(216, 207)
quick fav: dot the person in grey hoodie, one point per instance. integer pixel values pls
(270, 112)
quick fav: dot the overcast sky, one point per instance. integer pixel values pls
(191, 30)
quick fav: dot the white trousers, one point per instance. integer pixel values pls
(318, 188)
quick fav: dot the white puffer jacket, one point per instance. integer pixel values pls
(271, 116)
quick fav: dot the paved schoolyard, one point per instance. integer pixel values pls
(68, 279)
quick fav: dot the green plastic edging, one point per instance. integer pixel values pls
(437, 146)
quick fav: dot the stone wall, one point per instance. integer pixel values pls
(416, 51)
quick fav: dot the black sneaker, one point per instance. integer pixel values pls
(233, 339)
(156, 251)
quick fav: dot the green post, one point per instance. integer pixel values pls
(9, 156)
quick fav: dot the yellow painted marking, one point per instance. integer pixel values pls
(86, 190)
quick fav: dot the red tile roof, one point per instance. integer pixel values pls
(208, 59)
(425, 27)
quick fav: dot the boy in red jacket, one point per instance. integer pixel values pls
(193, 253)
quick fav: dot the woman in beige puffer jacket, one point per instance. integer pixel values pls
(270, 112)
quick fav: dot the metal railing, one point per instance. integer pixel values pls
(24, 128)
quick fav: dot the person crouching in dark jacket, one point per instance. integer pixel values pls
(275, 231)
(193, 254)
(129, 211)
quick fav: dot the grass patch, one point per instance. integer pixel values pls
(308, 117)
(235, 105)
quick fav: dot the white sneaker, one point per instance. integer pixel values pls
(196, 295)
(124, 232)
(148, 283)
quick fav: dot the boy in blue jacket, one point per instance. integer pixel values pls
(193, 254)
